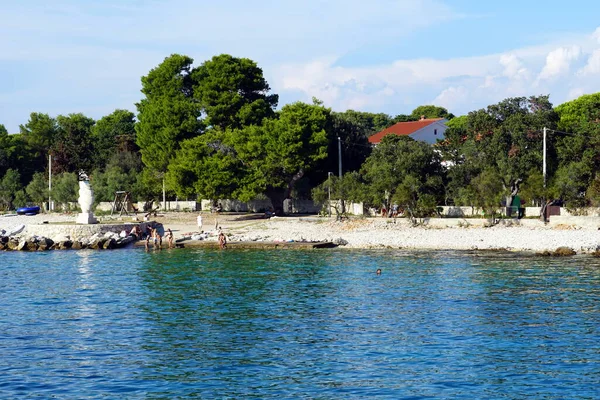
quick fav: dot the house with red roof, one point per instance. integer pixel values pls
(427, 130)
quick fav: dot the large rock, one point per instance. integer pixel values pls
(564, 251)
(76, 245)
(13, 244)
(109, 244)
(97, 244)
(65, 245)
(27, 245)
(45, 244)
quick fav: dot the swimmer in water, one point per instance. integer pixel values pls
(378, 272)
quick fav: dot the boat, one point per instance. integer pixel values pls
(15, 230)
(34, 210)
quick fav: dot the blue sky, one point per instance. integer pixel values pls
(66, 56)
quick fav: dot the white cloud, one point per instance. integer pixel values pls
(593, 64)
(513, 67)
(558, 61)
(459, 84)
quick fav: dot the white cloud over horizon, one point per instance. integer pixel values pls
(71, 56)
(459, 84)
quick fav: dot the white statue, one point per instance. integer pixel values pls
(86, 199)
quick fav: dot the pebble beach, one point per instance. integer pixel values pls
(359, 233)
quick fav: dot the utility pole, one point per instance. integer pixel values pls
(544, 165)
(49, 182)
(340, 156)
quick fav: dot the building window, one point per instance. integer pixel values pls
(435, 131)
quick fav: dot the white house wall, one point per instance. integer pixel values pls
(428, 133)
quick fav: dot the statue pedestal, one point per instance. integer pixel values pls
(86, 218)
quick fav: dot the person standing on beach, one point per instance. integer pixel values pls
(199, 220)
(170, 238)
(222, 241)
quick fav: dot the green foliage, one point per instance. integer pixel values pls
(168, 114)
(571, 182)
(65, 187)
(206, 167)
(6, 149)
(280, 151)
(365, 123)
(10, 185)
(430, 111)
(486, 191)
(37, 135)
(458, 123)
(112, 134)
(233, 92)
(402, 169)
(579, 113)
(505, 137)
(72, 149)
(37, 189)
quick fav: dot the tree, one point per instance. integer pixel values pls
(65, 188)
(577, 149)
(505, 137)
(10, 186)
(486, 192)
(38, 135)
(37, 189)
(111, 134)
(205, 166)
(430, 111)
(167, 114)
(279, 152)
(402, 169)
(233, 92)
(6, 149)
(71, 149)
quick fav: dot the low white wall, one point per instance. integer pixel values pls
(585, 222)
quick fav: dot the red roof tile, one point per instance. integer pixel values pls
(402, 128)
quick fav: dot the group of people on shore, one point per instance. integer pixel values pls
(156, 238)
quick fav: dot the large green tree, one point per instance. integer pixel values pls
(578, 149)
(278, 153)
(72, 148)
(168, 113)
(112, 134)
(233, 92)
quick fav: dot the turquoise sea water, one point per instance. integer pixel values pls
(294, 324)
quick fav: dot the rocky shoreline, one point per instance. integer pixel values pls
(355, 233)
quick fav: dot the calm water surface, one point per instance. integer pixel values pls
(292, 324)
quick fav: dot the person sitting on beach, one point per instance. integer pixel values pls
(222, 241)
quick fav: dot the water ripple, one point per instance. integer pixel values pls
(287, 324)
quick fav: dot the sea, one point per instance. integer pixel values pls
(297, 324)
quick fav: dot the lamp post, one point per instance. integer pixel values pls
(329, 190)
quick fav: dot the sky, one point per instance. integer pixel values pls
(70, 56)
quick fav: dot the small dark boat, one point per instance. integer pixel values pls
(28, 210)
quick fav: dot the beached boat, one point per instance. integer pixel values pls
(15, 230)
(34, 210)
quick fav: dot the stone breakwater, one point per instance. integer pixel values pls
(109, 240)
(57, 232)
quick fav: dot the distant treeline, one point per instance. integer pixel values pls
(213, 131)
